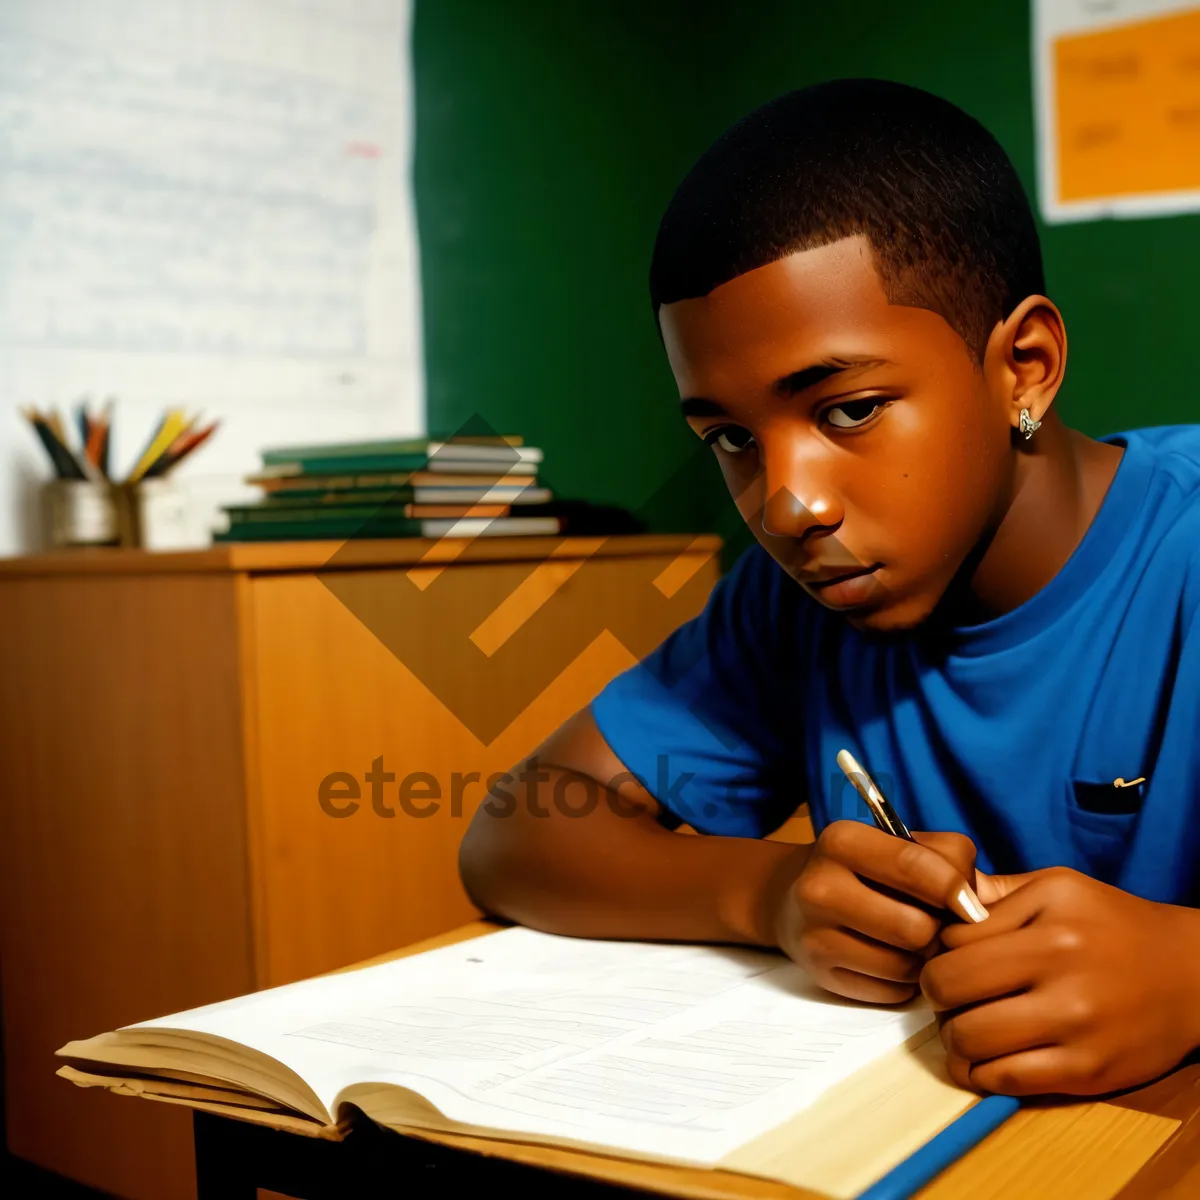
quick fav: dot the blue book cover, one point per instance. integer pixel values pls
(944, 1149)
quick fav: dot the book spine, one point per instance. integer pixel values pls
(501, 453)
(348, 463)
(303, 531)
(413, 447)
(503, 527)
(321, 498)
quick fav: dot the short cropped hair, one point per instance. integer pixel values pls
(926, 184)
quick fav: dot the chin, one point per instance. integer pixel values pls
(901, 617)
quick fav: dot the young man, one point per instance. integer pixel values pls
(998, 616)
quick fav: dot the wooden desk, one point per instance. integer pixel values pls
(1049, 1151)
(166, 721)
(234, 1160)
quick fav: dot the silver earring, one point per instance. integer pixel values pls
(1028, 425)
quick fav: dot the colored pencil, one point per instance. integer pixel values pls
(66, 465)
(183, 445)
(166, 433)
(106, 444)
(175, 437)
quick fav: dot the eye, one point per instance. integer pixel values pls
(853, 413)
(733, 439)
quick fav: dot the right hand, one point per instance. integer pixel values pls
(848, 919)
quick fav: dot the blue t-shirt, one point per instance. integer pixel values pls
(1012, 731)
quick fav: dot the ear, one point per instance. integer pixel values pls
(1026, 358)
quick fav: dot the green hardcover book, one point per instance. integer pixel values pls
(253, 514)
(277, 484)
(320, 498)
(344, 530)
(397, 456)
(306, 531)
(332, 465)
(418, 445)
(394, 462)
(382, 499)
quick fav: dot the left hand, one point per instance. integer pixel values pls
(1069, 986)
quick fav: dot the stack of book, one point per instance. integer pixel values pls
(456, 487)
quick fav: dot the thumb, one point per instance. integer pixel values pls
(1013, 901)
(956, 848)
(995, 887)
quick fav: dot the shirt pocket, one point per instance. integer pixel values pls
(1103, 819)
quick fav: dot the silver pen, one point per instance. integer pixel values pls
(966, 903)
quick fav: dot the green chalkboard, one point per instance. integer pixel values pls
(551, 134)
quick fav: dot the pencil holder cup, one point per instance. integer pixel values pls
(128, 515)
(80, 512)
(160, 516)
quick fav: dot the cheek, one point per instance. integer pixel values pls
(950, 491)
(746, 484)
(967, 472)
(934, 488)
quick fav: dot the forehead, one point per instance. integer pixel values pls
(778, 318)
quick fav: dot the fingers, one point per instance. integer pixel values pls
(956, 848)
(1029, 898)
(861, 918)
(992, 888)
(1030, 1073)
(986, 970)
(854, 986)
(832, 894)
(910, 867)
(1004, 1027)
(855, 941)
(833, 949)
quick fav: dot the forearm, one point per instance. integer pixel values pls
(616, 873)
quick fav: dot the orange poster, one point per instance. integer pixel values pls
(1119, 107)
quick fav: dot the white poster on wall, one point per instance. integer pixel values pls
(206, 203)
(1118, 107)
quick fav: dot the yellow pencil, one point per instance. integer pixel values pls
(167, 433)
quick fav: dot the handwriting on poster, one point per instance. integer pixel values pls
(1128, 108)
(183, 203)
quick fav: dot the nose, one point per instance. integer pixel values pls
(797, 501)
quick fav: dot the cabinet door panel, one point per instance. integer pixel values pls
(123, 880)
(429, 680)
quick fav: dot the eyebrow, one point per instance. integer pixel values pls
(808, 377)
(788, 385)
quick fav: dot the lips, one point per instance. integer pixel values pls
(822, 579)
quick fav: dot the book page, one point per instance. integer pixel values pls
(680, 1053)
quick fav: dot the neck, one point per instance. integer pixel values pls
(1059, 481)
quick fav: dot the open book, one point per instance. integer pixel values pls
(711, 1057)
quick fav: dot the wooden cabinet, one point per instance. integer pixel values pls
(229, 769)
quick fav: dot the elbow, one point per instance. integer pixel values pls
(504, 876)
(481, 869)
